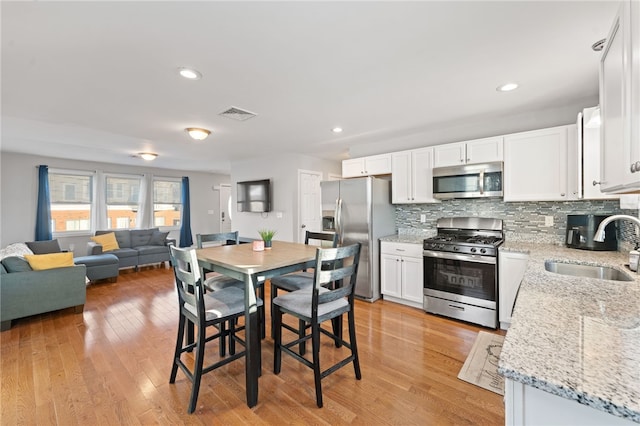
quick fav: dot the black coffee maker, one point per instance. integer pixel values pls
(582, 227)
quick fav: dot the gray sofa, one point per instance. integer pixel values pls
(24, 292)
(137, 247)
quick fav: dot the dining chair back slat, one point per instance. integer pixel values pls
(330, 296)
(300, 280)
(202, 311)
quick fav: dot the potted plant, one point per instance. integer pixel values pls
(267, 236)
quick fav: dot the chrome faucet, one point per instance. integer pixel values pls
(599, 236)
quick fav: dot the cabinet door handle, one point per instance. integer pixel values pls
(562, 194)
(595, 182)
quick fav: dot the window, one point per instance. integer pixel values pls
(83, 201)
(167, 202)
(71, 200)
(122, 200)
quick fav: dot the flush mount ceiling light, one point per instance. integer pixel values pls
(337, 130)
(190, 73)
(147, 156)
(507, 87)
(197, 133)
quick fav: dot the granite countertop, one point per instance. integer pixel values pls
(408, 238)
(578, 338)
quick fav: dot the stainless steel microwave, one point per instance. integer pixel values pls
(468, 181)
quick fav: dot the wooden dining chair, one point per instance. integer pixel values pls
(318, 304)
(204, 311)
(300, 280)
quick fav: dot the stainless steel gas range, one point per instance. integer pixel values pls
(461, 269)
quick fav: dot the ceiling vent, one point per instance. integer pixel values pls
(237, 114)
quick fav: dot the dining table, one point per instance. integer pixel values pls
(241, 262)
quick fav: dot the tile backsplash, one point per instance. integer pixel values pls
(522, 220)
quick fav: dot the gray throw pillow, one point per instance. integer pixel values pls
(16, 264)
(158, 238)
(44, 247)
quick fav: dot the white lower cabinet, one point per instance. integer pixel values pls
(528, 406)
(511, 267)
(401, 273)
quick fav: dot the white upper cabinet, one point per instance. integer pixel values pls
(485, 150)
(620, 102)
(411, 176)
(535, 165)
(367, 166)
(587, 157)
(470, 152)
(451, 154)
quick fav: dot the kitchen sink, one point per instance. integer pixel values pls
(586, 271)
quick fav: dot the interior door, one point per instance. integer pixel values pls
(310, 215)
(225, 207)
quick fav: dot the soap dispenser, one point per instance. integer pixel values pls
(634, 256)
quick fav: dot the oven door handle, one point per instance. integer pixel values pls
(461, 257)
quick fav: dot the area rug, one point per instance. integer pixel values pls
(481, 366)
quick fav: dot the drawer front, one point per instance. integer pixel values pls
(401, 249)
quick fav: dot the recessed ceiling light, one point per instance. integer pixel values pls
(190, 73)
(147, 156)
(337, 130)
(507, 87)
(197, 133)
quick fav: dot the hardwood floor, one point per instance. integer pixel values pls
(110, 365)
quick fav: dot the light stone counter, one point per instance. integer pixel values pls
(404, 238)
(578, 338)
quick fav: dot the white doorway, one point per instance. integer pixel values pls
(309, 202)
(225, 208)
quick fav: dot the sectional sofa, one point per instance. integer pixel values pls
(25, 292)
(136, 246)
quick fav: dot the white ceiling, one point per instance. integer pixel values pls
(98, 80)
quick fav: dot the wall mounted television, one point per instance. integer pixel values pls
(254, 196)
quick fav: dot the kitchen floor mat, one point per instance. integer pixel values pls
(481, 366)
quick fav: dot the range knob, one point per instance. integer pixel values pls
(473, 249)
(456, 248)
(483, 250)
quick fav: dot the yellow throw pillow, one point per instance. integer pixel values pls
(39, 262)
(107, 241)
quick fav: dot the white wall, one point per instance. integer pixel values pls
(19, 189)
(471, 128)
(283, 172)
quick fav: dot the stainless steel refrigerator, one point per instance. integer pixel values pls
(362, 212)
